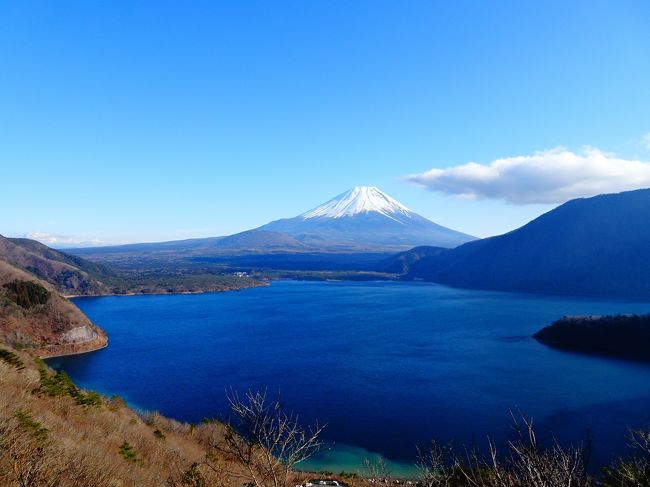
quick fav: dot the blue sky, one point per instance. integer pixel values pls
(145, 121)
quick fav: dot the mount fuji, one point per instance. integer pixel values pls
(360, 222)
(365, 218)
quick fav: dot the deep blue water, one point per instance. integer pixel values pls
(385, 365)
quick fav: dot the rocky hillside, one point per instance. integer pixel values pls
(34, 316)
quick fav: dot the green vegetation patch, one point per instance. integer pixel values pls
(11, 358)
(60, 384)
(127, 452)
(192, 477)
(27, 294)
(36, 429)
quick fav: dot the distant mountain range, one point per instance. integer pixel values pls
(590, 246)
(74, 275)
(363, 219)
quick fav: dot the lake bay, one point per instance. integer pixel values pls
(385, 365)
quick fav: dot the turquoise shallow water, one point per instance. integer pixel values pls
(385, 365)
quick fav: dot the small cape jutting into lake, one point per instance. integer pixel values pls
(626, 336)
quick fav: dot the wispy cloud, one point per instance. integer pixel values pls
(63, 240)
(550, 176)
(645, 140)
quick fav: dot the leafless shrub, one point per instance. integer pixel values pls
(26, 461)
(534, 466)
(633, 471)
(81, 469)
(22, 457)
(264, 443)
(526, 464)
(377, 470)
(435, 465)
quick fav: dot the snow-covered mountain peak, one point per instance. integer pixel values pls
(365, 219)
(360, 199)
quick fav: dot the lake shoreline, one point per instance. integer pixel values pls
(99, 342)
(70, 354)
(171, 293)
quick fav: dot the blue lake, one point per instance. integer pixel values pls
(385, 365)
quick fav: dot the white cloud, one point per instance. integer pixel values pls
(551, 176)
(62, 240)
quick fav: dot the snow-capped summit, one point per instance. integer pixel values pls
(365, 218)
(360, 199)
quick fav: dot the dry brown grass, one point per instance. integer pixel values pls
(83, 443)
(54, 441)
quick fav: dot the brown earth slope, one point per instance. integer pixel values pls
(48, 324)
